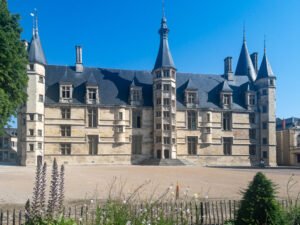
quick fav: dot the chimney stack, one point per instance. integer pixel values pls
(78, 65)
(228, 68)
(254, 59)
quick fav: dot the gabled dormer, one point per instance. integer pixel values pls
(65, 88)
(135, 94)
(250, 97)
(92, 90)
(191, 98)
(226, 95)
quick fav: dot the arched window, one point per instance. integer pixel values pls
(298, 140)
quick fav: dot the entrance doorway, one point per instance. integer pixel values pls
(167, 154)
(158, 152)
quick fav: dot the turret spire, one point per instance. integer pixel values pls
(265, 69)
(164, 58)
(244, 32)
(35, 50)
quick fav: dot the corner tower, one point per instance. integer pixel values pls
(31, 115)
(266, 89)
(164, 98)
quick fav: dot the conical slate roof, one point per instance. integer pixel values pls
(225, 87)
(265, 69)
(164, 57)
(191, 85)
(35, 50)
(245, 65)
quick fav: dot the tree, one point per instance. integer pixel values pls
(13, 61)
(259, 205)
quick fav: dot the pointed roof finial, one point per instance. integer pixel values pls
(265, 44)
(34, 15)
(163, 9)
(244, 32)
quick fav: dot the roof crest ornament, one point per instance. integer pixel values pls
(163, 9)
(34, 15)
(244, 32)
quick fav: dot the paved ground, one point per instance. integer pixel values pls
(89, 182)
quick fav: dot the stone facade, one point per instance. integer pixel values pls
(8, 146)
(82, 115)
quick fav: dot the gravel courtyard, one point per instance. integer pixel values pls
(90, 182)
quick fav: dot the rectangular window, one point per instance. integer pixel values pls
(252, 149)
(173, 90)
(136, 95)
(41, 98)
(166, 73)
(13, 144)
(265, 141)
(252, 134)
(41, 79)
(192, 145)
(65, 149)
(298, 158)
(119, 129)
(93, 145)
(251, 99)
(166, 127)
(265, 154)
(227, 146)
(39, 145)
(158, 101)
(207, 130)
(66, 113)
(252, 118)
(264, 92)
(173, 103)
(136, 145)
(136, 118)
(191, 98)
(158, 114)
(40, 117)
(158, 87)
(158, 139)
(192, 120)
(65, 131)
(31, 132)
(166, 140)
(31, 147)
(265, 125)
(31, 116)
(208, 117)
(66, 91)
(227, 122)
(226, 99)
(92, 94)
(120, 116)
(40, 133)
(166, 114)
(166, 102)
(166, 87)
(92, 117)
(158, 126)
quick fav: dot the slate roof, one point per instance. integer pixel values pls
(265, 69)
(164, 57)
(35, 50)
(12, 132)
(245, 65)
(114, 86)
(291, 122)
(225, 87)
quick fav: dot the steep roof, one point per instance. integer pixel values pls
(265, 69)
(225, 87)
(245, 65)
(114, 87)
(92, 80)
(164, 57)
(190, 85)
(291, 122)
(35, 50)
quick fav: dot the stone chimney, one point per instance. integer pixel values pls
(228, 68)
(254, 59)
(78, 65)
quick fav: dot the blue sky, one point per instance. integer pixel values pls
(123, 34)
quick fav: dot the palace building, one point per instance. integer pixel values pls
(84, 115)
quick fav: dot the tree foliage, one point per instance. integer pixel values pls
(259, 205)
(13, 61)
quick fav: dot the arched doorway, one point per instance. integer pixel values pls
(158, 154)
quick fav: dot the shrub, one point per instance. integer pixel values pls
(259, 205)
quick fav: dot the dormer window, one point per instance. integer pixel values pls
(66, 93)
(251, 99)
(136, 96)
(191, 98)
(166, 73)
(226, 100)
(92, 95)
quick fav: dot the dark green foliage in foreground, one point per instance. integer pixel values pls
(259, 205)
(13, 61)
